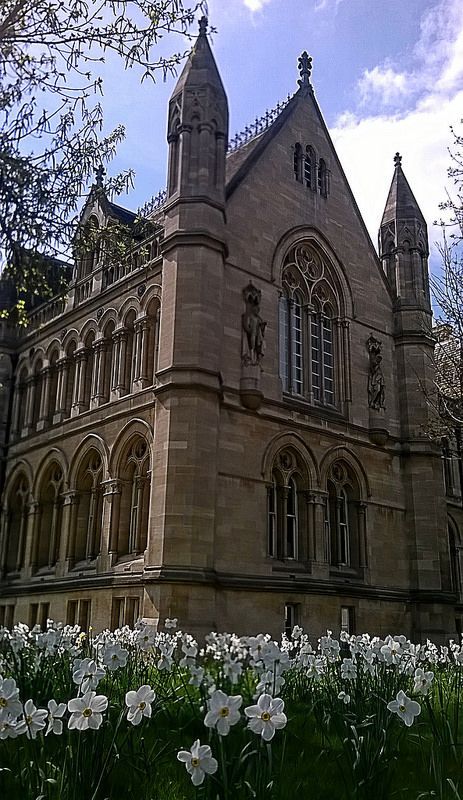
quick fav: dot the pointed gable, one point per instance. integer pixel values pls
(401, 204)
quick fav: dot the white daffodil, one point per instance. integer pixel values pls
(197, 675)
(232, 669)
(115, 656)
(139, 704)
(170, 624)
(344, 697)
(198, 762)
(348, 669)
(223, 712)
(55, 713)
(9, 727)
(9, 698)
(34, 720)
(405, 708)
(86, 674)
(423, 681)
(86, 711)
(267, 716)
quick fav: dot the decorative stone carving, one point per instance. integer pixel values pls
(253, 328)
(375, 376)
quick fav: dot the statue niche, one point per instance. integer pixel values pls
(252, 348)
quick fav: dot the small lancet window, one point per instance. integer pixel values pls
(322, 178)
(309, 164)
(298, 159)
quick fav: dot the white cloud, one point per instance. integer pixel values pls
(322, 5)
(385, 83)
(425, 101)
(256, 5)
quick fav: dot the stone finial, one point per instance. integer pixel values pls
(397, 160)
(203, 26)
(305, 69)
(99, 175)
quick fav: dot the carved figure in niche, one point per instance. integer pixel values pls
(375, 376)
(253, 328)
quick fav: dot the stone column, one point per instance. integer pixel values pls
(31, 533)
(70, 514)
(143, 377)
(321, 544)
(119, 385)
(362, 533)
(44, 412)
(310, 512)
(110, 523)
(70, 500)
(18, 399)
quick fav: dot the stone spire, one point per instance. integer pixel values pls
(401, 203)
(198, 126)
(403, 243)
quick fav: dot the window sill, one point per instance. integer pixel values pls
(346, 573)
(300, 403)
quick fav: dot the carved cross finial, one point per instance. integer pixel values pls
(99, 175)
(397, 160)
(305, 68)
(203, 26)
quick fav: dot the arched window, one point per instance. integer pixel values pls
(88, 509)
(342, 518)
(286, 511)
(16, 524)
(53, 398)
(70, 377)
(153, 318)
(37, 390)
(20, 402)
(298, 162)
(48, 526)
(454, 559)
(89, 367)
(309, 167)
(108, 361)
(322, 356)
(310, 337)
(129, 365)
(322, 178)
(134, 503)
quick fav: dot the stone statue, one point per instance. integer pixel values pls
(253, 328)
(375, 375)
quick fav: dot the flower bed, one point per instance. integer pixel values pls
(156, 715)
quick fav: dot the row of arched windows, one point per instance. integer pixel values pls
(66, 525)
(338, 511)
(81, 375)
(288, 515)
(307, 170)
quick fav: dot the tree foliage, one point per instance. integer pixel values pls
(51, 122)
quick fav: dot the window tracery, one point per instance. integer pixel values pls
(310, 343)
(342, 518)
(134, 500)
(49, 516)
(285, 508)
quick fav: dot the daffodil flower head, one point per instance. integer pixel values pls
(198, 761)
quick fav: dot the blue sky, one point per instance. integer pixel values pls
(388, 75)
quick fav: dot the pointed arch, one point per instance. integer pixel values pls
(132, 428)
(340, 452)
(290, 441)
(91, 441)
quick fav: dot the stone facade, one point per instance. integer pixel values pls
(231, 429)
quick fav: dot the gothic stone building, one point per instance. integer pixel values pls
(231, 428)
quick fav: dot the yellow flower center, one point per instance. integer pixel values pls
(401, 708)
(142, 705)
(29, 720)
(87, 712)
(195, 762)
(224, 712)
(3, 702)
(265, 716)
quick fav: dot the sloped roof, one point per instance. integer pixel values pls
(401, 203)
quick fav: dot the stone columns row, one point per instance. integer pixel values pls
(66, 388)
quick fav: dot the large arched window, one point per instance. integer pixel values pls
(311, 339)
(88, 509)
(109, 378)
(134, 501)
(16, 523)
(344, 527)
(286, 509)
(48, 524)
(454, 557)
